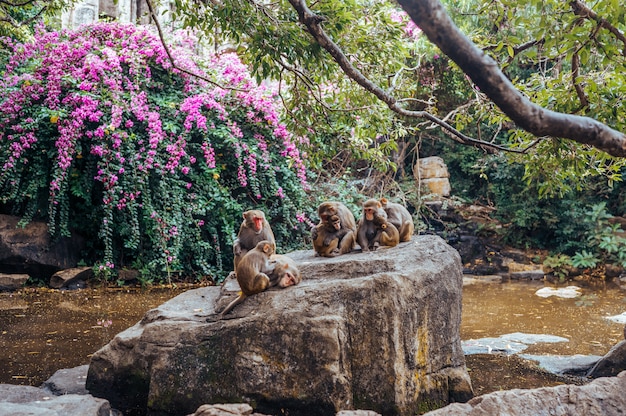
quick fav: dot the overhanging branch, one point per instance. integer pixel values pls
(313, 24)
(432, 18)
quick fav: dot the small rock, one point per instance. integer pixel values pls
(568, 292)
(536, 274)
(32, 401)
(10, 282)
(65, 278)
(620, 319)
(612, 363)
(237, 409)
(577, 365)
(68, 381)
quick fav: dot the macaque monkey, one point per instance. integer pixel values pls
(374, 228)
(386, 233)
(336, 232)
(252, 272)
(285, 272)
(399, 216)
(254, 228)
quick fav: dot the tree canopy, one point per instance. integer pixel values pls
(554, 70)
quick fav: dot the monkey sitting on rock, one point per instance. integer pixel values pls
(400, 217)
(374, 229)
(261, 269)
(336, 232)
(253, 229)
(252, 272)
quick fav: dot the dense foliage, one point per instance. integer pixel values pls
(99, 134)
(563, 58)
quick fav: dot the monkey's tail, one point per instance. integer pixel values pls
(232, 304)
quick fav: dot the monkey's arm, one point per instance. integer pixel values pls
(236, 247)
(361, 238)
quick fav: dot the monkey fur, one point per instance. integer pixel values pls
(399, 216)
(374, 229)
(254, 228)
(336, 232)
(252, 272)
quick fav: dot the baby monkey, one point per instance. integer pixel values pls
(285, 273)
(252, 272)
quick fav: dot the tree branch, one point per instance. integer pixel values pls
(435, 23)
(312, 22)
(584, 102)
(582, 10)
(154, 16)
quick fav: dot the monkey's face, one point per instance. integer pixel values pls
(287, 280)
(327, 210)
(258, 224)
(254, 219)
(372, 207)
(333, 223)
(369, 213)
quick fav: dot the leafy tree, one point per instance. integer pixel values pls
(18, 18)
(99, 133)
(564, 43)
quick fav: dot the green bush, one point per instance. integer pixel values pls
(100, 134)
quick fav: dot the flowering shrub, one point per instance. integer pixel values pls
(100, 134)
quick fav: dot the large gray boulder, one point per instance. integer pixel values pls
(376, 330)
(602, 397)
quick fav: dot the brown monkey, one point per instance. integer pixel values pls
(336, 232)
(252, 272)
(370, 228)
(399, 216)
(254, 228)
(285, 273)
(327, 235)
(386, 233)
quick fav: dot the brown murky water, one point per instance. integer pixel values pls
(42, 330)
(494, 309)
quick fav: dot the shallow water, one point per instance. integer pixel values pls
(494, 309)
(43, 330)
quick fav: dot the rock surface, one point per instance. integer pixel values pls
(68, 381)
(31, 401)
(30, 249)
(239, 409)
(65, 278)
(612, 363)
(373, 331)
(602, 397)
(432, 174)
(12, 282)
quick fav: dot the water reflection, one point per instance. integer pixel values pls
(495, 309)
(42, 330)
